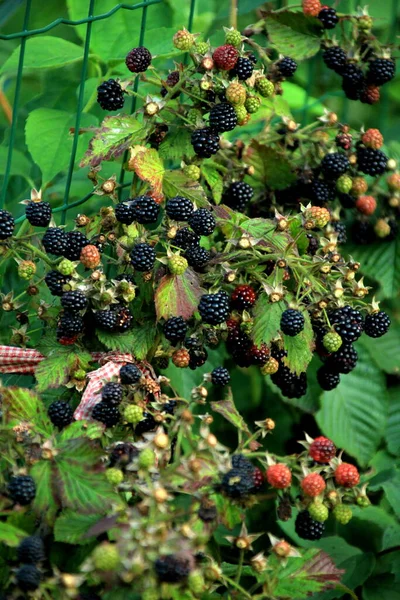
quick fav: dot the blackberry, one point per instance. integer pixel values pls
(328, 18)
(259, 355)
(202, 221)
(197, 357)
(243, 297)
(197, 257)
(159, 133)
(138, 60)
(362, 233)
(110, 95)
(340, 229)
(38, 213)
(326, 379)
(74, 301)
(376, 324)
(237, 482)
(122, 454)
(347, 200)
(238, 195)
(307, 528)
(145, 210)
(238, 342)
(286, 66)
(352, 91)
(6, 224)
(22, 489)
(124, 318)
(352, 75)
(335, 164)
(148, 423)
(185, 238)
(223, 117)
(313, 244)
(208, 511)
(106, 320)
(125, 277)
(320, 192)
(371, 162)
(347, 322)
(60, 413)
(214, 308)
(335, 58)
(171, 81)
(55, 281)
(253, 58)
(220, 376)
(380, 71)
(69, 325)
(130, 374)
(342, 361)
(28, 578)
(31, 550)
(55, 241)
(111, 393)
(175, 329)
(292, 322)
(143, 257)
(205, 142)
(124, 213)
(179, 208)
(76, 240)
(243, 69)
(172, 568)
(290, 384)
(106, 413)
(169, 407)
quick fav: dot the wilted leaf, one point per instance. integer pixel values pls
(149, 167)
(271, 168)
(228, 410)
(178, 295)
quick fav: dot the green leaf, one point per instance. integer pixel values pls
(383, 351)
(231, 570)
(393, 422)
(230, 513)
(176, 145)
(383, 587)
(137, 340)
(89, 429)
(228, 410)
(298, 99)
(122, 342)
(25, 405)
(44, 502)
(214, 180)
(10, 535)
(265, 231)
(45, 52)
(294, 34)
(271, 168)
(267, 318)
(20, 164)
(177, 295)
(347, 419)
(380, 261)
(53, 371)
(176, 183)
(72, 527)
(299, 348)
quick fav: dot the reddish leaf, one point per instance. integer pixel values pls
(322, 568)
(178, 295)
(149, 167)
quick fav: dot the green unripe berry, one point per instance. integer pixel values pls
(183, 40)
(241, 114)
(133, 414)
(194, 116)
(202, 47)
(26, 269)
(106, 557)
(363, 501)
(192, 172)
(344, 184)
(114, 476)
(196, 582)
(79, 374)
(146, 458)
(252, 104)
(177, 264)
(265, 87)
(342, 513)
(365, 23)
(150, 594)
(332, 341)
(318, 511)
(66, 267)
(233, 37)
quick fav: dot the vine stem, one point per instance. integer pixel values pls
(38, 252)
(233, 15)
(240, 567)
(237, 586)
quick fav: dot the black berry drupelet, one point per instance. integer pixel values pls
(55, 241)
(347, 322)
(110, 95)
(143, 257)
(243, 297)
(286, 66)
(237, 482)
(223, 117)
(106, 320)
(220, 376)
(202, 221)
(38, 213)
(122, 454)
(290, 384)
(320, 192)
(197, 257)
(334, 165)
(380, 71)
(371, 162)
(148, 423)
(6, 224)
(74, 301)
(197, 357)
(69, 325)
(313, 244)
(124, 213)
(335, 58)
(22, 489)
(106, 413)
(353, 81)
(31, 550)
(111, 392)
(185, 238)
(179, 208)
(205, 142)
(326, 379)
(292, 322)
(60, 413)
(171, 81)
(362, 233)
(342, 361)
(125, 277)
(328, 17)
(376, 324)
(243, 69)
(175, 329)
(214, 308)
(172, 568)
(138, 60)
(130, 374)
(347, 200)
(238, 195)
(340, 229)
(307, 528)
(28, 578)
(124, 318)
(76, 240)
(145, 210)
(55, 281)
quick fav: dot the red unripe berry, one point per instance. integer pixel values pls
(243, 297)
(313, 485)
(372, 138)
(347, 475)
(225, 57)
(311, 8)
(279, 476)
(258, 479)
(366, 205)
(322, 450)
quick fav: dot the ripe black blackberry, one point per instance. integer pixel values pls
(197, 357)
(290, 384)
(28, 578)
(334, 165)
(143, 257)
(74, 301)
(326, 379)
(313, 244)
(111, 392)
(175, 330)
(169, 407)
(138, 60)
(342, 361)
(286, 66)
(38, 213)
(55, 281)
(106, 413)
(208, 511)
(223, 117)
(362, 233)
(60, 413)
(55, 241)
(307, 528)
(197, 257)
(159, 133)
(292, 322)
(205, 142)
(348, 323)
(238, 342)
(380, 71)
(376, 324)
(185, 238)
(320, 192)
(243, 69)
(347, 200)
(148, 423)
(214, 308)
(31, 550)
(122, 454)
(22, 489)
(237, 483)
(335, 58)
(340, 229)
(145, 210)
(6, 224)
(352, 75)
(328, 17)
(124, 213)
(171, 81)
(202, 221)
(179, 208)
(125, 277)
(352, 91)
(69, 325)
(172, 568)
(220, 376)
(238, 195)
(130, 374)
(106, 320)
(76, 240)
(259, 354)
(110, 95)
(371, 162)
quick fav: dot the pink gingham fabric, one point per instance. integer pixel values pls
(19, 360)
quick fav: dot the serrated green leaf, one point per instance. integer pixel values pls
(267, 317)
(214, 180)
(137, 341)
(44, 502)
(46, 52)
(265, 231)
(177, 295)
(393, 422)
(175, 183)
(299, 348)
(271, 168)
(53, 371)
(294, 34)
(122, 342)
(383, 351)
(10, 535)
(231, 570)
(72, 527)
(25, 405)
(176, 145)
(89, 429)
(380, 261)
(230, 513)
(228, 410)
